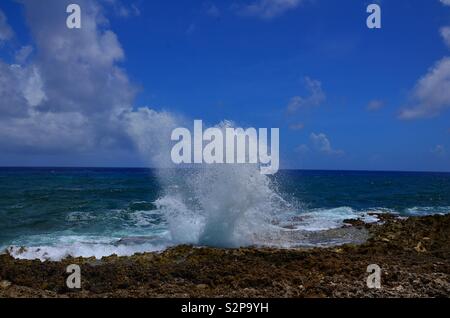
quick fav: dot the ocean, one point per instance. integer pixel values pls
(51, 213)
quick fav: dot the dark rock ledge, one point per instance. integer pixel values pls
(414, 255)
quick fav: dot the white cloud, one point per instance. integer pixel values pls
(122, 10)
(6, 32)
(151, 131)
(317, 96)
(268, 9)
(445, 33)
(23, 54)
(431, 95)
(31, 85)
(46, 132)
(21, 89)
(323, 144)
(72, 95)
(79, 69)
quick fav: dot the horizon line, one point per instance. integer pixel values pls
(284, 169)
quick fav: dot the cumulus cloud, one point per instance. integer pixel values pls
(46, 132)
(431, 95)
(6, 32)
(21, 89)
(445, 33)
(68, 93)
(322, 143)
(316, 96)
(267, 9)
(23, 54)
(80, 67)
(123, 10)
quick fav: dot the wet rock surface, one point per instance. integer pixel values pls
(414, 255)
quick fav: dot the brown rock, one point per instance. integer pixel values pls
(4, 284)
(193, 272)
(202, 286)
(420, 248)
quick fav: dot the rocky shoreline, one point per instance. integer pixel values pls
(413, 253)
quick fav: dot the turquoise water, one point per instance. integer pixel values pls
(95, 212)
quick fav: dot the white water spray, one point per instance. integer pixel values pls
(222, 205)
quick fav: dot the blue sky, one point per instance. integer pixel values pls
(343, 96)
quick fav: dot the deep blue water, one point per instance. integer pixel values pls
(399, 191)
(86, 211)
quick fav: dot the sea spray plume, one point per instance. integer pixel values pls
(225, 205)
(150, 130)
(238, 203)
